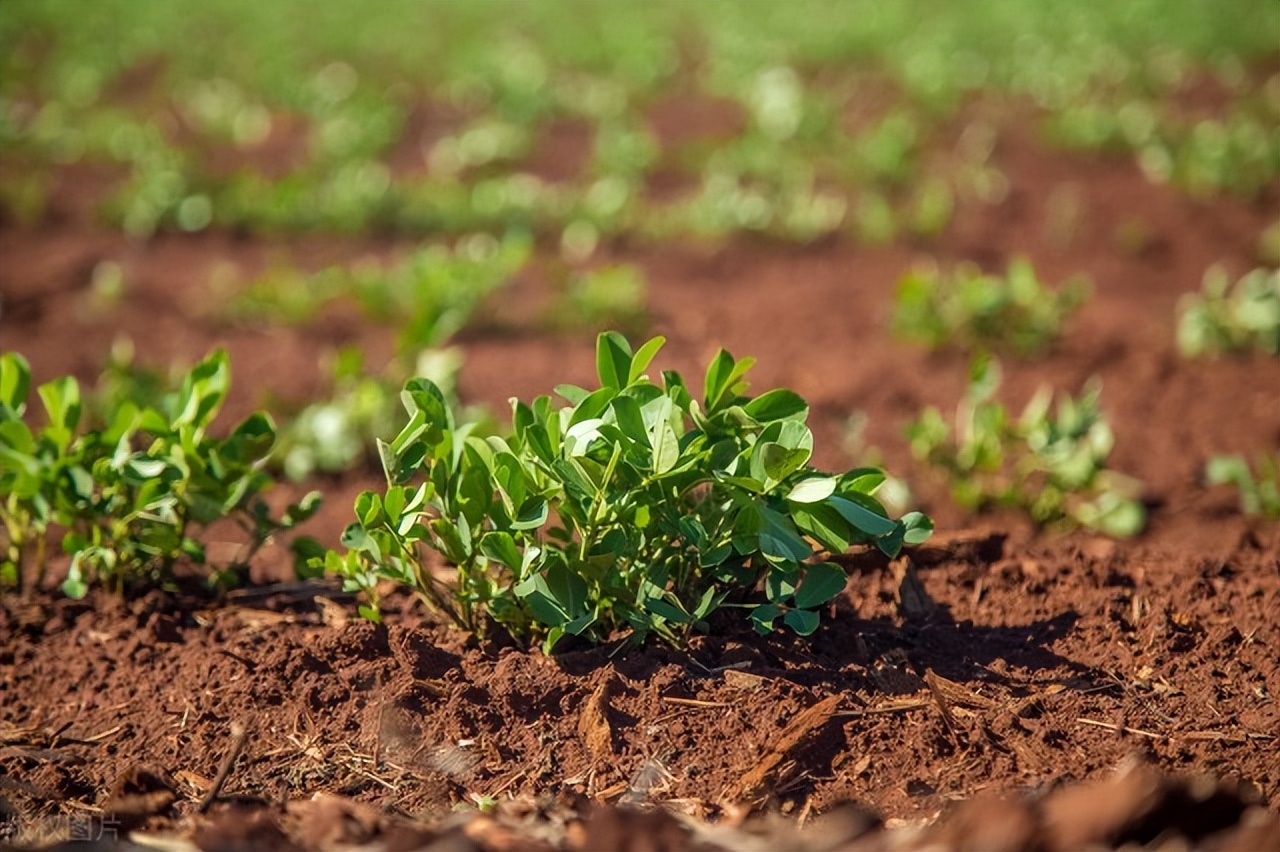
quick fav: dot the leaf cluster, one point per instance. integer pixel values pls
(427, 297)
(128, 496)
(608, 297)
(635, 505)
(1225, 318)
(1052, 465)
(969, 309)
(340, 431)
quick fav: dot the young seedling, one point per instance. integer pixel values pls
(1259, 492)
(127, 496)
(427, 297)
(968, 309)
(1224, 318)
(341, 432)
(609, 297)
(634, 505)
(1053, 467)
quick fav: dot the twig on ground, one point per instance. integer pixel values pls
(1120, 729)
(238, 733)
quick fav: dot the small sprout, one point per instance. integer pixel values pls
(609, 297)
(1224, 318)
(1051, 466)
(340, 433)
(1259, 491)
(968, 309)
(483, 802)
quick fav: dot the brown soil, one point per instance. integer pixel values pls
(998, 662)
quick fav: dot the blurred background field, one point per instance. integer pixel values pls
(592, 120)
(345, 192)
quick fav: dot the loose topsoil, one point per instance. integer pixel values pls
(995, 660)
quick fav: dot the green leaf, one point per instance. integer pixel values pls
(579, 437)
(533, 513)
(917, 527)
(613, 360)
(62, 403)
(453, 538)
(626, 413)
(393, 504)
(593, 405)
(74, 586)
(665, 451)
(779, 404)
(508, 475)
(773, 462)
(821, 583)
(763, 616)
(501, 547)
(423, 395)
(203, 390)
(536, 439)
(643, 356)
(891, 545)
(15, 381)
(571, 393)
(857, 513)
(579, 624)
(815, 489)
(802, 621)
(577, 484)
(779, 539)
(252, 440)
(781, 581)
(864, 480)
(667, 610)
(555, 595)
(18, 442)
(554, 635)
(717, 378)
(709, 602)
(721, 385)
(356, 537)
(144, 468)
(368, 508)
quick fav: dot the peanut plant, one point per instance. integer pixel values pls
(632, 506)
(968, 309)
(129, 497)
(1224, 318)
(1258, 485)
(1051, 466)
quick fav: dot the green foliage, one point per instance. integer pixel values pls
(608, 297)
(1225, 318)
(1203, 156)
(341, 432)
(969, 309)
(426, 297)
(634, 505)
(338, 433)
(1259, 492)
(1051, 466)
(498, 75)
(127, 496)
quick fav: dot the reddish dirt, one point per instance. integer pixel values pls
(1003, 663)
